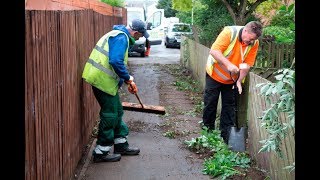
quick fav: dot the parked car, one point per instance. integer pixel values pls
(174, 32)
(138, 47)
(140, 44)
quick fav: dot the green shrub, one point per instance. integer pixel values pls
(276, 129)
(116, 3)
(281, 34)
(223, 161)
(284, 17)
(282, 25)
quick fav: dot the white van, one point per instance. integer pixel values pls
(135, 13)
(155, 26)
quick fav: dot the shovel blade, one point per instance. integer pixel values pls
(237, 139)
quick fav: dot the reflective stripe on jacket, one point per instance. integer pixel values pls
(97, 70)
(215, 69)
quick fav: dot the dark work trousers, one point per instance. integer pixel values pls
(213, 89)
(111, 125)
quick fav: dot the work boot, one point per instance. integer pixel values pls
(102, 154)
(106, 157)
(126, 151)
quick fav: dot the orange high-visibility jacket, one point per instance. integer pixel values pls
(228, 43)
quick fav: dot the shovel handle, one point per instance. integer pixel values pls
(138, 98)
(235, 93)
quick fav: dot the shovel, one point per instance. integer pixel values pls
(237, 136)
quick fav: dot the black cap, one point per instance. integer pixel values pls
(140, 26)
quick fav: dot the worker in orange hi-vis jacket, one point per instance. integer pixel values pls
(231, 56)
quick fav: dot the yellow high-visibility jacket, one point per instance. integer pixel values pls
(97, 70)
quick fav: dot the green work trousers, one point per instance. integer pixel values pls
(111, 125)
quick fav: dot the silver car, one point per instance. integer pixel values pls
(174, 32)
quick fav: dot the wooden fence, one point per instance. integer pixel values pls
(251, 105)
(60, 110)
(275, 56)
(267, 160)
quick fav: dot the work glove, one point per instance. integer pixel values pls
(244, 66)
(130, 80)
(132, 88)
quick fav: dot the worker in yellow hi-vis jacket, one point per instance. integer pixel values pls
(106, 71)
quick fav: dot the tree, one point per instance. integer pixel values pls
(239, 10)
(266, 10)
(167, 6)
(210, 16)
(182, 5)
